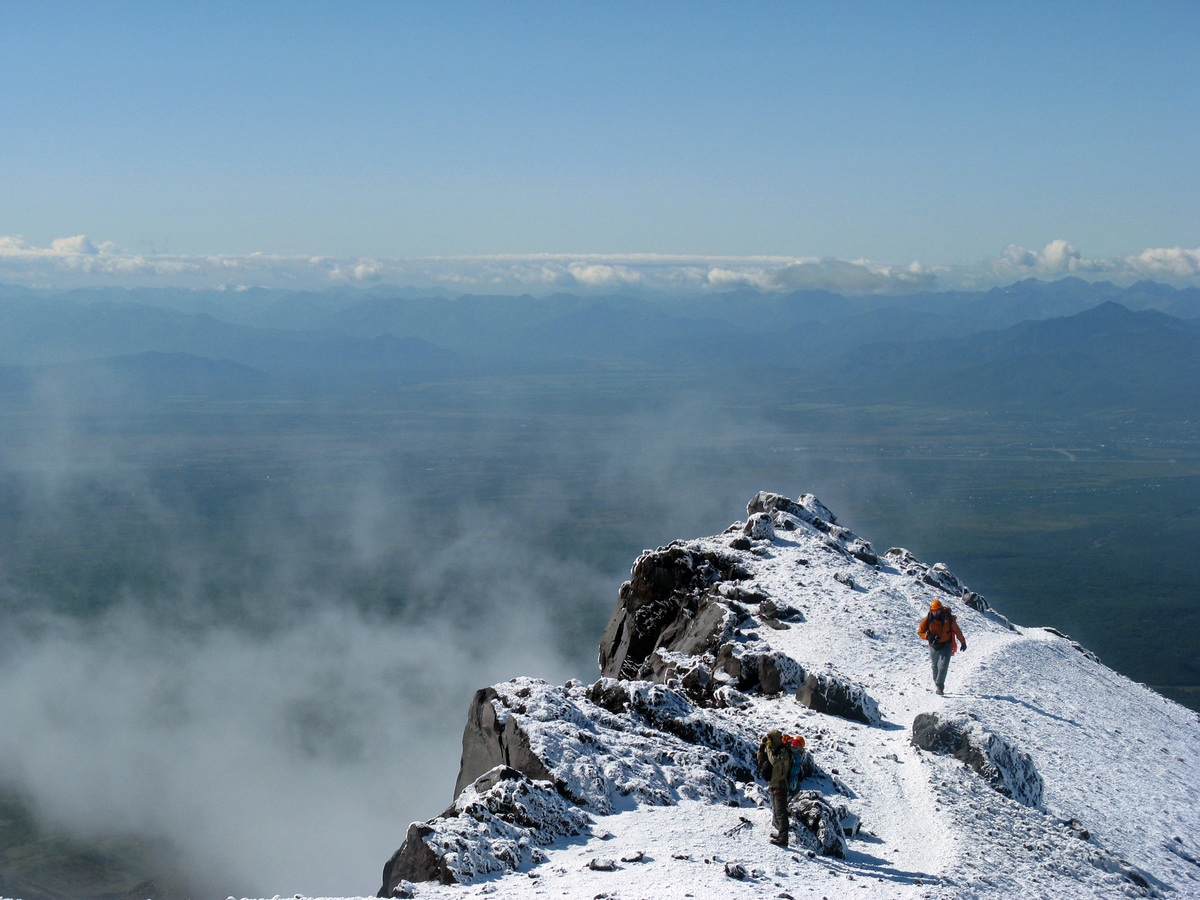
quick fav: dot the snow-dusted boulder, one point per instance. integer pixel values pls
(754, 665)
(496, 824)
(760, 527)
(780, 611)
(1009, 770)
(493, 738)
(838, 697)
(976, 601)
(817, 825)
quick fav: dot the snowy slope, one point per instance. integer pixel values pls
(1119, 766)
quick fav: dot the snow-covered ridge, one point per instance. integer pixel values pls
(1040, 773)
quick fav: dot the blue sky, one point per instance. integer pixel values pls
(940, 133)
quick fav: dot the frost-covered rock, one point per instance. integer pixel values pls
(760, 527)
(976, 601)
(493, 738)
(838, 697)
(941, 577)
(624, 739)
(668, 601)
(808, 511)
(1008, 769)
(754, 665)
(780, 610)
(496, 824)
(817, 825)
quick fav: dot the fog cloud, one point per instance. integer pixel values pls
(277, 684)
(287, 750)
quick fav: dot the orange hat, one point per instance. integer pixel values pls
(936, 604)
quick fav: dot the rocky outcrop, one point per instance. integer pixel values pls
(613, 739)
(807, 510)
(491, 738)
(572, 751)
(937, 575)
(837, 697)
(754, 666)
(677, 619)
(1007, 769)
(496, 824)
(686, 616)
(668, 601)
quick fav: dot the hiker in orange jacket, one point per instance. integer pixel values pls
(940, 629)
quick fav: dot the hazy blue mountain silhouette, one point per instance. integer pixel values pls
(1105, 357)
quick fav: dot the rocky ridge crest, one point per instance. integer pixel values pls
(788, 620)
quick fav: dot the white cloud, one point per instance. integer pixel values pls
(12, 244)
(79, 261)
(77, 244)
(1057, 259)
(599, 275)
(858, 276)
(1174, 262)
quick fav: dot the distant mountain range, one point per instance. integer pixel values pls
(1105, 357)
(1067, 344)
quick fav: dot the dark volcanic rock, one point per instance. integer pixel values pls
(667, 602)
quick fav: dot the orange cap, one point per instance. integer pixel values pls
(936, 604)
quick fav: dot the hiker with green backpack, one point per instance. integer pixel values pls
(779, 765)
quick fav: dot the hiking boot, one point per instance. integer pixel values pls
(779, 841)
(940, 691)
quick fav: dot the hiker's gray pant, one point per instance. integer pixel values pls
(779, 813)
(940, 657)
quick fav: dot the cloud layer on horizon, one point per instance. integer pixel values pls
(77, 261)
